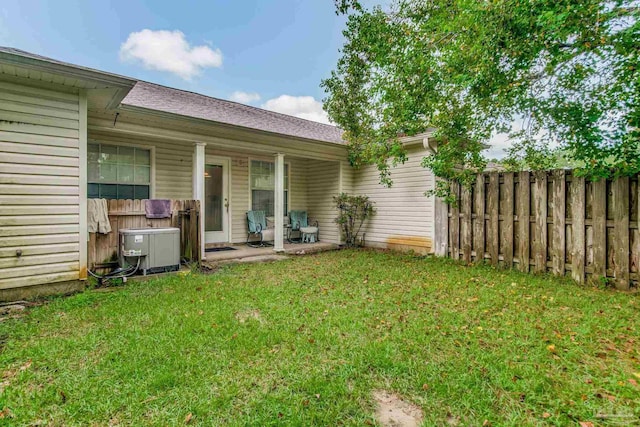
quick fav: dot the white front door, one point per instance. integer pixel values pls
(216, 200)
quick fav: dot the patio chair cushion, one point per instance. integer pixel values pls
(254, 218)
(298, 220)
(268, 235)
(309, 230)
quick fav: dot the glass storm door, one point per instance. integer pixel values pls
(216, 202)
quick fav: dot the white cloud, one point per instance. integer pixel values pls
(305, 107)
(244, 97)
(499, 143)
(169, 51)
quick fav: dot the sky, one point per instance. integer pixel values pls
(271, 54)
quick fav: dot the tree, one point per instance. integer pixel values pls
(566, 70)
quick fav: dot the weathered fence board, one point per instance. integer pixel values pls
(559, 227)
(524, 222)
(441, 230)
(493, 205)
(599, 235)
(578, 206)
(478, 226)
(553, 221)
(507, 223)
(621, 240)
(465, 227)
(540, 236)
(454, 227)
(103, 248)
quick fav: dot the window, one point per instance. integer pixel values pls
(263, 179)
(118, 172)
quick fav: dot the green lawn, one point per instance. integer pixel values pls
(306, 341)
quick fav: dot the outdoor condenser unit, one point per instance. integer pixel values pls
(158, 249)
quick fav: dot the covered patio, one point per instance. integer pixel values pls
(229, 169)
(244, 253)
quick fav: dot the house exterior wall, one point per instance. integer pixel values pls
(42, 196)
(404, 215)
(347, 177)
(323, 182)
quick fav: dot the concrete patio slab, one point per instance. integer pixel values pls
(242, 252)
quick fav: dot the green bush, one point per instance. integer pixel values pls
(353, 212)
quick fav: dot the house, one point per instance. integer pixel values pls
(57, 120)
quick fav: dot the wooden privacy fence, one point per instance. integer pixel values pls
(546, 221)
(185, 214)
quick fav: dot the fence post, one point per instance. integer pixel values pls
(493, 236)
(465, 228)
(599, 218)
(540, 244)
(507, 221)
(478, 229)
(578, 206)
(454, 225)
(559, 228)
(524, 222)
(441, 231)
(620, 188)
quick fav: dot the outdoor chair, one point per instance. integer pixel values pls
(257, 229)
(305, 230)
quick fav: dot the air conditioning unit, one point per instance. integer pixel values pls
(157, 249)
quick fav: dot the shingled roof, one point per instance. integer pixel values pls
(161, 98)
(190, 104)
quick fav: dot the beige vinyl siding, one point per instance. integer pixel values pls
(39, 185)
(322, 184)
(298, 199)
(347, 176)
(404, 215)
(173, 171)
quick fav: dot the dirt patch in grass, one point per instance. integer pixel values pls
(8, 375)
(246, 315)
(393, 411)
(15, 310)
(207, 268)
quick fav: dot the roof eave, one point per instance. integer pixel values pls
(121, 84)
(425, 139)
(165, 114)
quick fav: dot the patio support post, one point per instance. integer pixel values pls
(198, 185)
(278, 244)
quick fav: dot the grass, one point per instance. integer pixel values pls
(306, 341)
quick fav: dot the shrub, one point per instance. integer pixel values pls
(353, 212)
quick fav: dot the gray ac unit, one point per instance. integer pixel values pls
(158, 249)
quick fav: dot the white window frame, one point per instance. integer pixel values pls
(269, 160)
(152, 161)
